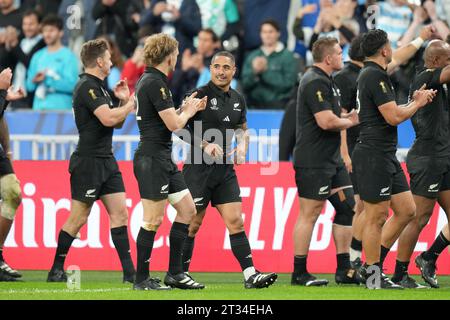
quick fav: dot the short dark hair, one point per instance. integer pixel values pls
(92, 50)
(53, 20)
(322, 47)
(373, 41)
(214, 36)
(272, 22)
(355, 51)
(224, 54)
(32, 12)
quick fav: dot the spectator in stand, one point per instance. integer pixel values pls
(305, 19)
(443, 10)
(442, 26)
(394, 17)
(22, 52)
(270, 72)
(77, 29)
(258, 11)
(194, 71)
(137, 8)
(10, 24)
(44, 7)
(334, 21)
(113, 22)
(222, 16)
(134, 67)
(53, 70)
(178, 18)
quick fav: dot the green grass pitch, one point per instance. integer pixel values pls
(219, 286)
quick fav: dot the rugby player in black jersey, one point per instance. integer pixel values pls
(428, 163)
(346, 82)
(381, 181)
(210, 176)
(94, 172)
(158, 177)
(320, 171)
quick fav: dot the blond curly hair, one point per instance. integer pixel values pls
(157, 47)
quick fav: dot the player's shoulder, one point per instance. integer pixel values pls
(236, 94)
(86, 83)
(201, 92)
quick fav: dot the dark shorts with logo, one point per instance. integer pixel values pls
(157, 176)
(428, 175)
(216, 183)
(317, 183)
(5, 164)
(378, 174)
(93, 177)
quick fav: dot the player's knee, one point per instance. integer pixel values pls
(235, 224)
(422, 220)
(343, 204)
(119, 217)
(409, 213)
(377, 218)
(152, 225)
(193, 228)
(11, 196)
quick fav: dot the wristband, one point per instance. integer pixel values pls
(417, 43)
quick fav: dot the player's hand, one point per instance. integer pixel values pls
(132, 103)
(13, 95)
(213, 150)
(202, 104)
(5, 79)
(193, 104)
(353, 117)
(427, 32)
(40, 76)
(121, 90)
(239, 154)
(424, 96)
(348, 163)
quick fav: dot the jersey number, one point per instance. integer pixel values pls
(358, 103)
(138, 117)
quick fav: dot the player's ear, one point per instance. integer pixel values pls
(99, 62)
